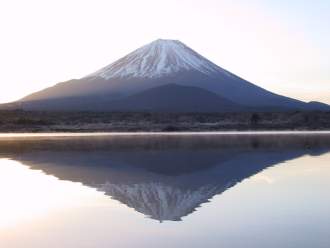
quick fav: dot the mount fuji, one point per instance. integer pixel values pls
(165, 75)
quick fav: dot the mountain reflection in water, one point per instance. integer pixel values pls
(162, 177)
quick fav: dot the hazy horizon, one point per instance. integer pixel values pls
(277, 45)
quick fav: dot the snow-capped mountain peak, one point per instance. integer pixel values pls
(135, 83)
(158, 58)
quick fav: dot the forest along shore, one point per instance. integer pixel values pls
(32, 121)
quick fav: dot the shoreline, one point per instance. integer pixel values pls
(202, 133)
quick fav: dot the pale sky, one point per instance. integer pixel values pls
(283, 46)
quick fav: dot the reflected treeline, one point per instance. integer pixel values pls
(165, 177)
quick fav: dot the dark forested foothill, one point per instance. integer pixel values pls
(33, 121)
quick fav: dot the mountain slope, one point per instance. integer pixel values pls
(177, 98)
(166, 98)
(160, 63)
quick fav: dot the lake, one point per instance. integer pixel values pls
(165, 190)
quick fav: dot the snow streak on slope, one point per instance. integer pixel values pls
(159, 58)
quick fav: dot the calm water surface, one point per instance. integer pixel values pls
(249, 190)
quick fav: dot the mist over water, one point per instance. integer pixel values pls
(165, 190)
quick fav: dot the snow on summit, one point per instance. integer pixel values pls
(156, 59)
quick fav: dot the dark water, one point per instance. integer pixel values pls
(165, 191)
